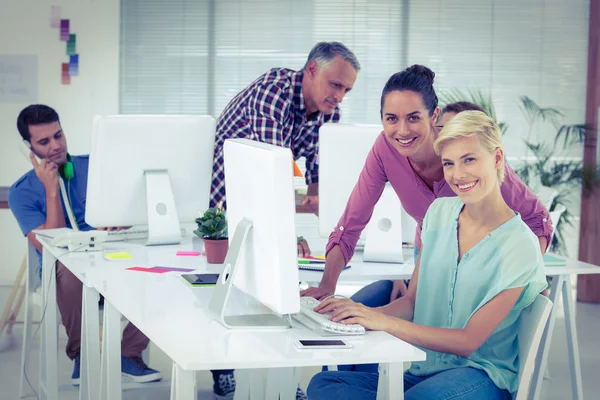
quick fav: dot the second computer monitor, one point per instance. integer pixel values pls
(343, 149)
(150, 170)
(262, 260)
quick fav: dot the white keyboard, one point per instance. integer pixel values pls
(321, 323)
(135, 233)
(127, 234)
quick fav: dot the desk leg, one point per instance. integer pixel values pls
(391, 381)
(572, 342)
(49, 330)
(110, 378)
(90, 345)
(183, 384)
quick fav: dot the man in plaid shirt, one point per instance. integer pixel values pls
(286, 108)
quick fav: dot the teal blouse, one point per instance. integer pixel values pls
(450, 292)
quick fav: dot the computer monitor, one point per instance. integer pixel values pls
(343, 149)
(150, 170)
(262, 260)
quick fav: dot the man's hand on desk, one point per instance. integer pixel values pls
(312, 202)
(318, 292)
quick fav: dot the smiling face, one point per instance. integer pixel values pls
(407, 123)
(48, 141)
(471, 170)
(325, 87)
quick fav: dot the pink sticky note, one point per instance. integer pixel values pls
(173, 269)
(141, 269)
(188, 253)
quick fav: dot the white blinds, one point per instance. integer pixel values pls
(164, 57)
(508, 48)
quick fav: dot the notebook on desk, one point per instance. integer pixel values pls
(315, 267)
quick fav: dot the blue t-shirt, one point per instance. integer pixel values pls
(27, 198)
(449, 293)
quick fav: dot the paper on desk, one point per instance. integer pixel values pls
(167, 269)
(182, 253)
(142, 269)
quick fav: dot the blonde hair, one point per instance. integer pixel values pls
(468, 124)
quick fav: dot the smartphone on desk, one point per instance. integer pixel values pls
(201, 279)
(305, 344)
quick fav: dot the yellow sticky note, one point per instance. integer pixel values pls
(120, 255)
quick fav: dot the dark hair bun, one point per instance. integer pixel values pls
(422, 70)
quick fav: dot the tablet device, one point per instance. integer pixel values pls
(201, 279)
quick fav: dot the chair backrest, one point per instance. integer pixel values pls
(532, 323)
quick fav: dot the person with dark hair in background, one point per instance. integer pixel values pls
(403, 155)
(450, 111)
(36, 202)
(286, 108)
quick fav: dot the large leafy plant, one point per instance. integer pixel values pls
(550, 167)
(212, 224)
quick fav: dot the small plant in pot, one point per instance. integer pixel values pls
(212, 228)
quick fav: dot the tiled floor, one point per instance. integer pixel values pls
(557, 388)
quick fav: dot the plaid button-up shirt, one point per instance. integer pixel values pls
(270, 110)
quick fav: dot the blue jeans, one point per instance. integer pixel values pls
(377, 294)
(458, 383)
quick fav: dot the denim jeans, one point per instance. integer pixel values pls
(377, 294)
(459, 383)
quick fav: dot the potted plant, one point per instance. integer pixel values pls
(212, 228)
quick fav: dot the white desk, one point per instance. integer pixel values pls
(83, 264)
(174, 316)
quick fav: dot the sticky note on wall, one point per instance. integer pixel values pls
(64, 29)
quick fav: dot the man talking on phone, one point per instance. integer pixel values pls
(36, 202)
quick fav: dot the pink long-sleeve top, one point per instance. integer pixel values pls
(384, 164)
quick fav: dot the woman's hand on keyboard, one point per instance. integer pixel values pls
(318, 293)
(346, 311)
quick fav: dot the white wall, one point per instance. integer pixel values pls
(25, 29)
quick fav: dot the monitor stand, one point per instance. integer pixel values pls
(224, 287)
(383, 242)
(163, 222)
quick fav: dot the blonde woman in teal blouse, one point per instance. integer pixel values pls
(480, 265)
